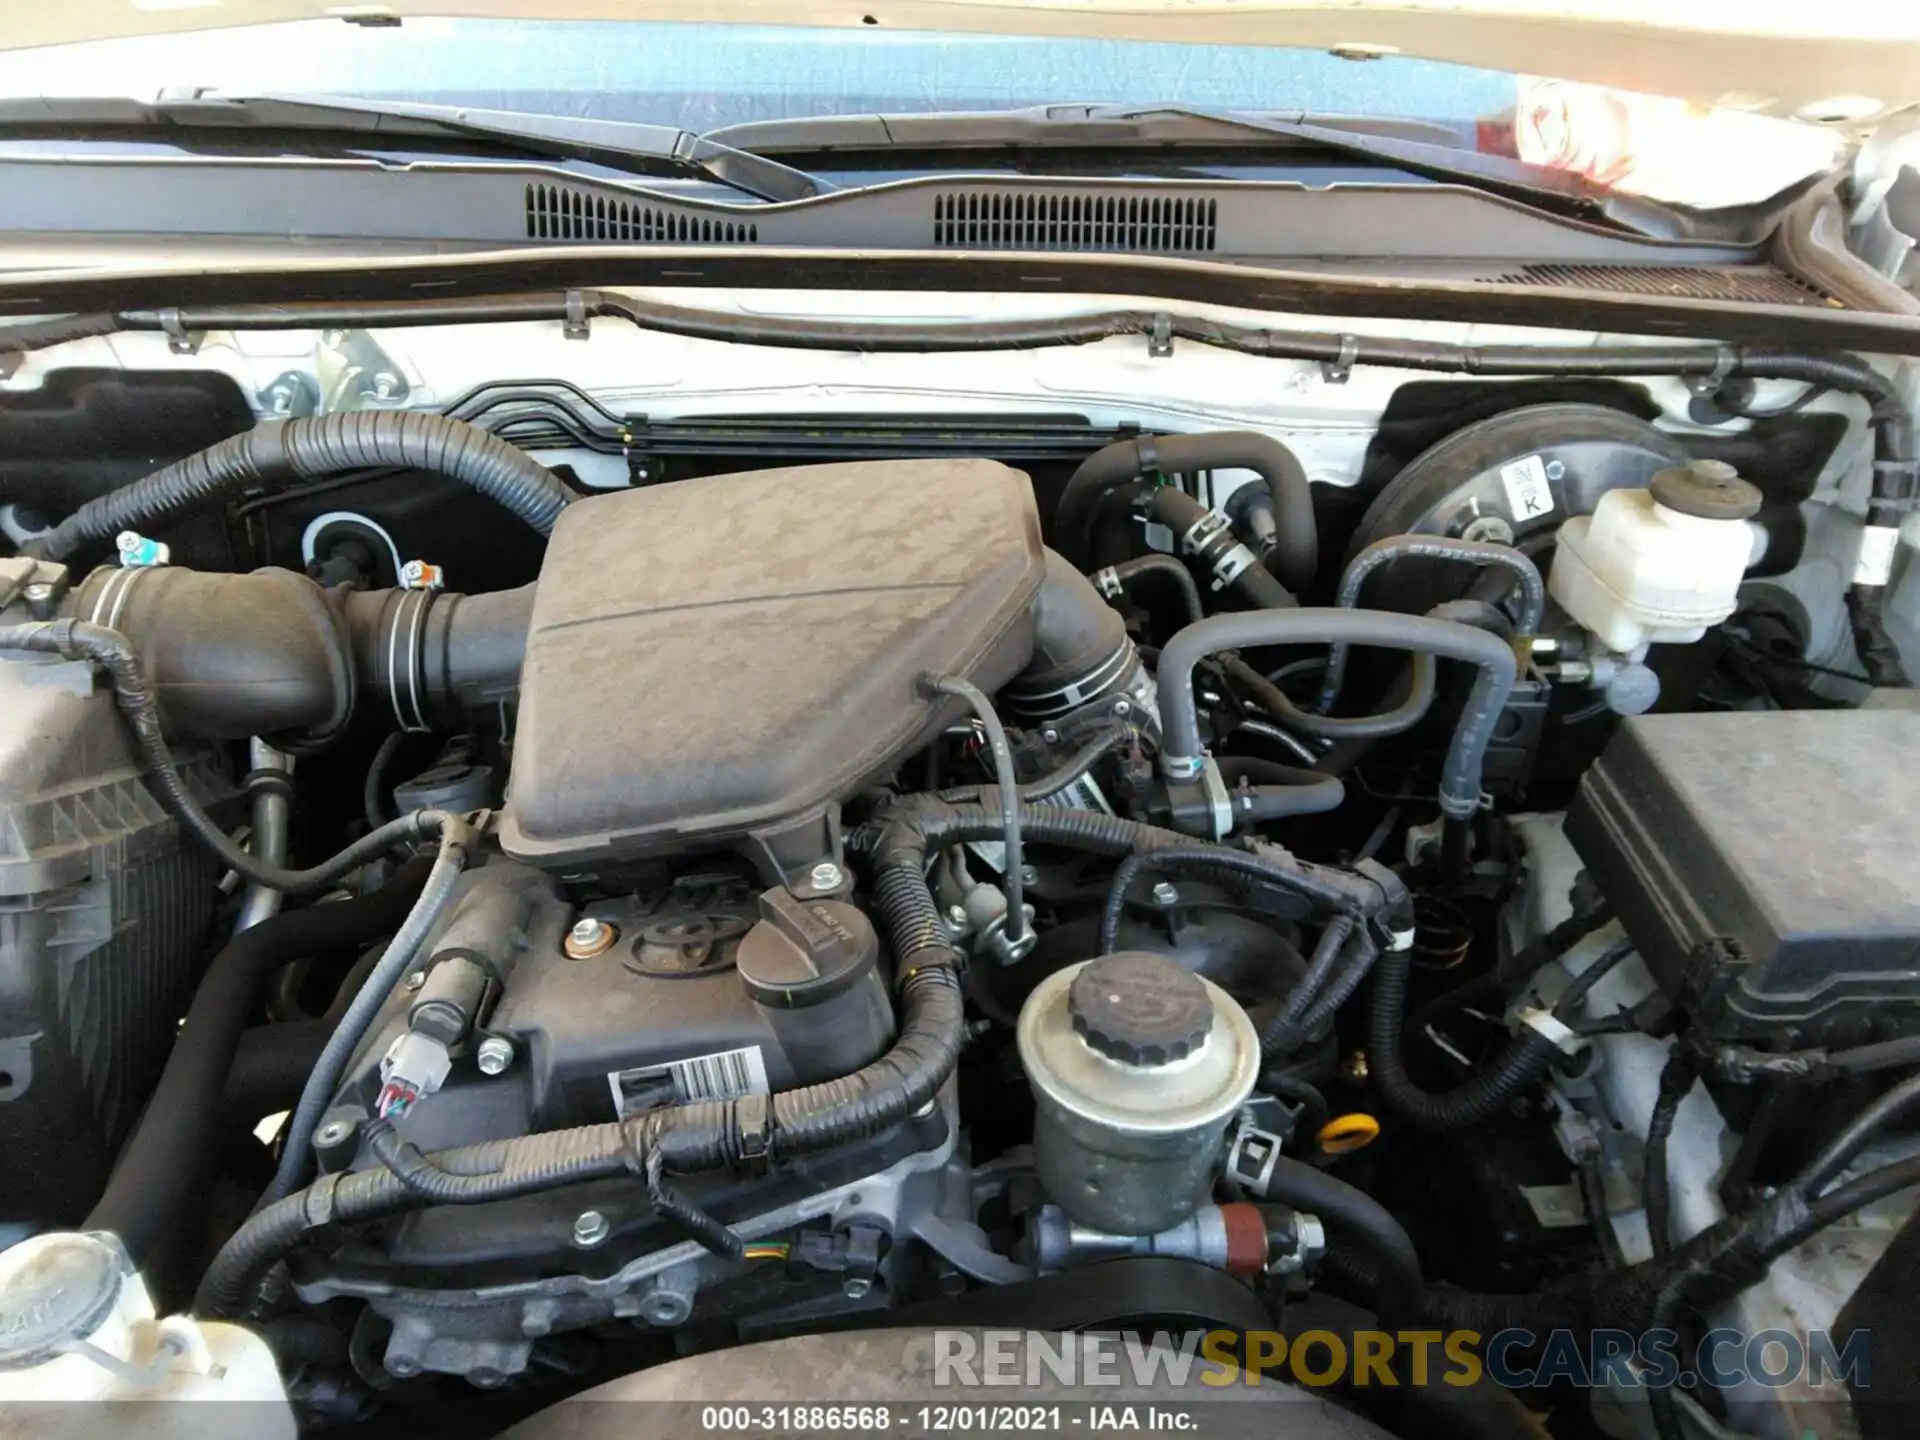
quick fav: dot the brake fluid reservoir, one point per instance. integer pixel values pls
(1659, 565)
(1136, 1065)
(77, 1323)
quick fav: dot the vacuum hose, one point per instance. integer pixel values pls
(1460, 780)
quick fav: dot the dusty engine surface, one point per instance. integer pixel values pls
(1129, 884)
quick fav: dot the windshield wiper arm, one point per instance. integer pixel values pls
(615, 142)
(1379, 141)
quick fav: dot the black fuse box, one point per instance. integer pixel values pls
(1764, 862)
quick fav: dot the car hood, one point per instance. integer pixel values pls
(1846, 59)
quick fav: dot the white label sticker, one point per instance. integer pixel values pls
(1878, 545)
(723, 1075)
(1528, 492)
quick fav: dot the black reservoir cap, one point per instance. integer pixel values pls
(803, 952)
(1140, 1008)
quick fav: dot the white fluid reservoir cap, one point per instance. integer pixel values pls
(56, 1290)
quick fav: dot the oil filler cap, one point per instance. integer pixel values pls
(804, 952)
(1140, 1008)
(1706, 489)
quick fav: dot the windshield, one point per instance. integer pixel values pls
(701, 77)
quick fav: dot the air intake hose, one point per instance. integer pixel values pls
(277, 452)
(271, 653)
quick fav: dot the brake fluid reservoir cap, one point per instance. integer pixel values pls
(1140, 1008)
(56, 1289)
(1707, 489)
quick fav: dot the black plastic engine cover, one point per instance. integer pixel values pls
(1762, 861)
(719, 656)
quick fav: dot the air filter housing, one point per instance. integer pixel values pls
(715, 658)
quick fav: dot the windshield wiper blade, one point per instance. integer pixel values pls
(620, 143)
(1416, 147)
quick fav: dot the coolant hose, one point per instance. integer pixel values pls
(1113, 581)
(1206, 536)
(1352, 1215)
(1525, 575)
(395, 960)
(1294, 547)
(168, 1160)
(77, 640)
(1180, 755)
(278, 451)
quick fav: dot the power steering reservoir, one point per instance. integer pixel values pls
(1136, 1065)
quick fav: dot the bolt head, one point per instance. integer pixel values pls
(825, 876)
(416, 979)
(1050, 735)
(1029, 875)
(1555, 470)
(590, 1227)
(1166, 894)
(589, 937)
(38, 592)
(385, 385)
(1123, 707)
(332, 1133)
(494, 1055)
(856, 1287)
(1489, 530)
(664, 1307)
(957, 916)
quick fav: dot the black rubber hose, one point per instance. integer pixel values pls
(1656, 1196)
(77, 640)
(1356, 959)
(1482, 1098)
(270, 1064)
(1231, 867)
(318, 1092)
(1295, 549)
(1115, 579)
(373, 790)
(1057, 779)
(1524, 573)
(1278, 789)
(1284, 1033)
(280, 451)
(1839, 1152)
(1400, 718)
(168, 1161)
(1208, 539)
(1353, 1215)
(1007, 790)
(1460, 780)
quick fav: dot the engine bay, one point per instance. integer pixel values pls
(681, 885)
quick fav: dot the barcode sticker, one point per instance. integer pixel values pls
(723, 1075)
(1528, 491)
(1878, 545)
